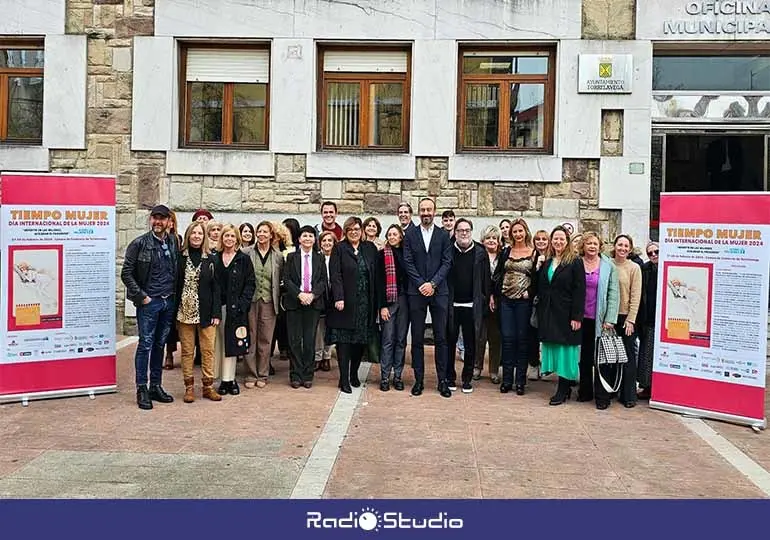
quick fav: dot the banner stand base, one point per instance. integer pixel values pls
(753, 423)
(24, 398)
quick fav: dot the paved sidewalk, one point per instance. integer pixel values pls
(256, 445)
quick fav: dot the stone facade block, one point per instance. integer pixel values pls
(109, 121)
(381, 203)
(506, 198)
(148, 187)
(612, 133)
(221, 199)
(331, 189)
(560, 207)
(609, 19)
(134, 26)
(186, 196)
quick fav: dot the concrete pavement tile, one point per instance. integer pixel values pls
(396, 478)
(450, 449)
(495, 479)
(536, 492)
(562, 456)
(702, 486)
(244, 490)
(22, 488)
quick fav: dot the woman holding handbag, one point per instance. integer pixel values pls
(237, 283)
(600, 315)
(562, 294)
(630, 278)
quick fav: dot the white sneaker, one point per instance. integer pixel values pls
(533, 373)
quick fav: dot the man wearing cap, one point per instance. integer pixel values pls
(149, 274)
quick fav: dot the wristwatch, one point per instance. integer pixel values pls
(433, 285)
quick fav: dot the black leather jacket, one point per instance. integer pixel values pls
(136, 266)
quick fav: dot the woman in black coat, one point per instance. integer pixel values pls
(236, 279)
(352, 275)
(561, 290)
(199, 310)
(645, 320)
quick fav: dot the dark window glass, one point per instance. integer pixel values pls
(711, 73)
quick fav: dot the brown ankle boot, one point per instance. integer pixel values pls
(208, 390)
(189, 393)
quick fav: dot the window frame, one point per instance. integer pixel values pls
(185, 105)
(364, 79)
(504, 82)
(5, 73)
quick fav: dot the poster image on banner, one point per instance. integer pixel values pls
(35, 290)
(687, 303)
(57, 307)
(712, 306)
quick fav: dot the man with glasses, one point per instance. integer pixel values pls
(149, 274)
(467, 298)
(428, 259)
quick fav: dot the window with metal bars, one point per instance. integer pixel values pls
(364, 99)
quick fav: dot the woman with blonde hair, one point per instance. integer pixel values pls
(213, 232)
(198, 310)
(267, 262)
(600, 314)
(562, 294)
(490, 323)
(515, 287)
(237, 283)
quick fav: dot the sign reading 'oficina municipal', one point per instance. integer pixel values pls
(722, 17)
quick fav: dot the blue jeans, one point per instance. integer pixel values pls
(393, 348)
(154, 322)
(515, 331)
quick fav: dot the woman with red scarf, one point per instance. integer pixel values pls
(393, 308)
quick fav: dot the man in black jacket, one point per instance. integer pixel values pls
(150, 274)
(428, 259)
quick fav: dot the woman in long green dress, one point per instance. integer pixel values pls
(352, 317)
(561, 301)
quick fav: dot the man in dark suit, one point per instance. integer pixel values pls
(305, 281)
(428, 259)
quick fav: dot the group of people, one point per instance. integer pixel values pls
(538, 302)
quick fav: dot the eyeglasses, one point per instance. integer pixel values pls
(463, 231)
(653, 252)
(166, 252)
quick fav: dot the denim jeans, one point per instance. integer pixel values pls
(515, 331)
(154, 323)
(393, 348)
